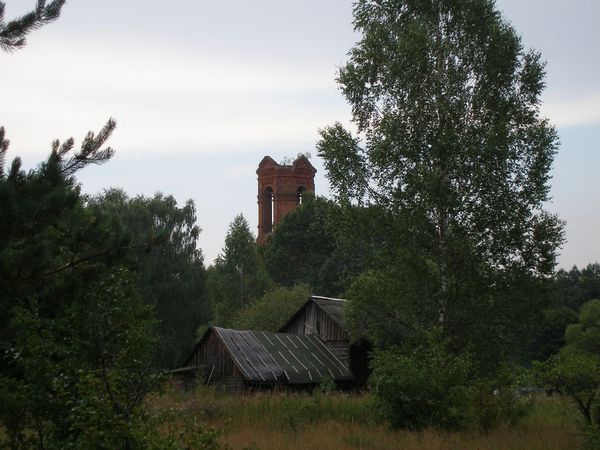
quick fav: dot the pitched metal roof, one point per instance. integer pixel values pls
(264, 356)
(249, 355)
(304, 359)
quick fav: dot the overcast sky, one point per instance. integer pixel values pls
(203, 90)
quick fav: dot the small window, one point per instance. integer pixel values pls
(268, 210)
(300, 194)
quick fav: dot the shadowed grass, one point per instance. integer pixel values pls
(342, 421)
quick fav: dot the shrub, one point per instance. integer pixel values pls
(575, 370)
(425, 386)
(498, 400)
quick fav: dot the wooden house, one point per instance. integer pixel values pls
(237, 360)
(324, 317)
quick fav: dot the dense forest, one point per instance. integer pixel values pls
(436, 236)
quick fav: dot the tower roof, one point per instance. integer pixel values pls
(301, 163)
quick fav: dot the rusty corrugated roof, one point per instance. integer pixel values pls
(264, 356)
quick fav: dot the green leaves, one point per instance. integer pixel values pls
(171, 275)
(585, 335)
(301, 245)
(575, 370)
(77, 345)
(272, 310)
(451, 145)
(238, 276)
(427, 386)
(344, 162)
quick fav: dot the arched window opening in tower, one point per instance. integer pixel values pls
(268, 210)
(301, 191)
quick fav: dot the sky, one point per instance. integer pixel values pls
(202, 91)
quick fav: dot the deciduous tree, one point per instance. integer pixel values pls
(238, 276)
(450, 142)
(271, 311)
(171, 274)
(575, 370)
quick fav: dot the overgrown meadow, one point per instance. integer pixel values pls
(282, 420)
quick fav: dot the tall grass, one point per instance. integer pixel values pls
(342, 421)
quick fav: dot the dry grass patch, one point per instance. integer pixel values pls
(339, 421)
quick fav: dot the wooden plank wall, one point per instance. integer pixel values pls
(211, 353)
(313, 320)
(323, 325)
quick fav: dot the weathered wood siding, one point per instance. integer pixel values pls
(212, 354)
(313, 320)
(230, 384)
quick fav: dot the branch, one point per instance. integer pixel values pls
(90, 153)
(13, 34)
(75, 262)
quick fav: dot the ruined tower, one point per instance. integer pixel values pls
(280, 190)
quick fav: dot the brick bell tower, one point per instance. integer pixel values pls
(280, 190)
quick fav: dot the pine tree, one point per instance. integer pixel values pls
(13, 33)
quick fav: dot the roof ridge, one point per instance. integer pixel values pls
(321, 297)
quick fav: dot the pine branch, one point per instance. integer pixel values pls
(61, 150)
(13, 34)
(94, 256)
(91, 150)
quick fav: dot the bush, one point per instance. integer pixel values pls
(575, 370)
(498, 400)
(431, 386)
(426, 386)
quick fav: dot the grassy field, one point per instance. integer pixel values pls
(339, 421)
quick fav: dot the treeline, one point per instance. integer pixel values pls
(328, 249)
(310, 251)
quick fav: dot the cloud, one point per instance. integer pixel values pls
(573, 112)
(240, 172)
(163, 101)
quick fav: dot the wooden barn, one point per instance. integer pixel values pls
(237, 360)
(324, 317)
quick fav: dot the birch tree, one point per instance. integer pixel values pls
(450, 141)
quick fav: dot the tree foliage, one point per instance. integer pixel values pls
(426, 383)
(322, 245)
(302, 244)
(14, 32)
(271, 311)
(566, 293)
(429, 386)
(45, 230)
(77, 344)
(238, 276)
(575, 370)
(171, 275)
(452, 145)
